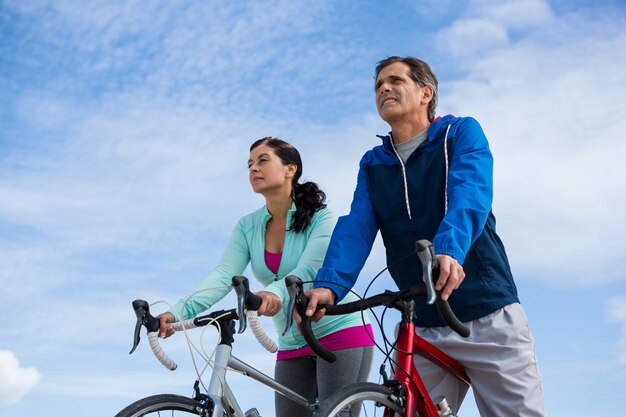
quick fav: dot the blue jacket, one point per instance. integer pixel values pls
(407, 202)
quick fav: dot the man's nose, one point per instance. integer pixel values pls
(384, 88)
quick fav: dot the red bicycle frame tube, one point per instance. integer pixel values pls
(407, 345)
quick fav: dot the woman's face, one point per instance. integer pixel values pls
(267, 172)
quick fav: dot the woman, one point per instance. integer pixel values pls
(287, 236)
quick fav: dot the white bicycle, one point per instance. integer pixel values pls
(217, 400)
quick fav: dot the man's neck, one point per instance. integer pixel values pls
(402, 132)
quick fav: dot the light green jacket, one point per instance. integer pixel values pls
(303, 254)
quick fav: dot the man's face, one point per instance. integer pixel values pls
(398, 97)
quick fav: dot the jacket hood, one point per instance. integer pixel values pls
(439, 125)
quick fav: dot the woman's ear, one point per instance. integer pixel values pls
(291, 170)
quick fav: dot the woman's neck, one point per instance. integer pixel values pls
(279, 203)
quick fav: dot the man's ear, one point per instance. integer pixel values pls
(428, 94)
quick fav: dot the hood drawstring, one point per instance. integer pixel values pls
(445, 151)
(406, 187)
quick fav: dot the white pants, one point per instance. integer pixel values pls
(499, 357)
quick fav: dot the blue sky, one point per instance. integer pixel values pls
(124, 129)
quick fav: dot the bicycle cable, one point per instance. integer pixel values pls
(389, 347)
(362, 298)
(190, 345)
(386, 353)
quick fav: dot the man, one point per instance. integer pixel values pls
(432, 179)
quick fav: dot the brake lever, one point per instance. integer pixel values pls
(136, 338)
(246, 300)
(142, 311)
(426, 253)
(430, 266)
(294, 289)
(242, 288)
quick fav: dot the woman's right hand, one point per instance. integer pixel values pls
(165, 327)
(270, 304)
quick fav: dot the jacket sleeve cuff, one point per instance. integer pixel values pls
(453, 253)
(326, 280)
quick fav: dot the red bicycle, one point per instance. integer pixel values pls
(405, 394)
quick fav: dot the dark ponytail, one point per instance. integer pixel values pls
(307, 197)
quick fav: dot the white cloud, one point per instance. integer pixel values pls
(466, 38)
(617, 308)
(488, 26)
(125, 160)
(617, 313)
(195, 55)
(553, 113)
(514, 15)
(15, 381)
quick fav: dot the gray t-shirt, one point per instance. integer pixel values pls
(406, 148)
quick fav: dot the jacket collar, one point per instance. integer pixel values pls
(267, 215)
(437, 126)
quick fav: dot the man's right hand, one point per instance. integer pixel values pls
(165, 327)
(451, 276)
(316, 296)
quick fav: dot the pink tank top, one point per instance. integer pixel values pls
(351, 337)
(272, 260)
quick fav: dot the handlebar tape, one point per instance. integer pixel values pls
(259, 333)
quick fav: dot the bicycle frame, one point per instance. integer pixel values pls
(220, 394)
(407, 386)
(408, 344)
(219, 400)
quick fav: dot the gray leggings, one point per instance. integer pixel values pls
(312, 377)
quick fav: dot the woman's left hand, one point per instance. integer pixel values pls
(270, 305)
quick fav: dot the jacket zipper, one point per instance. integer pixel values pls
(404, 178)
(445, 153)
(406, 187)
(265, 221)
